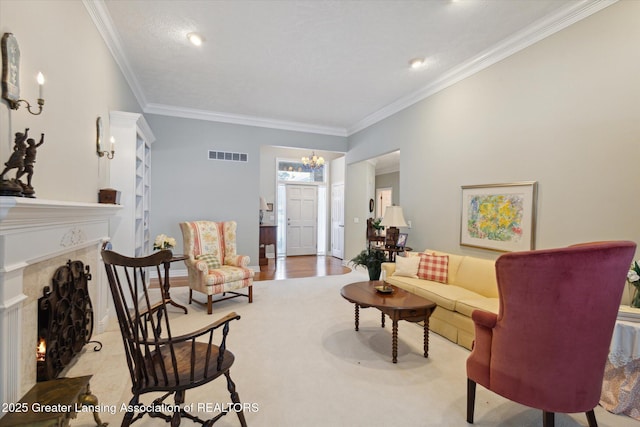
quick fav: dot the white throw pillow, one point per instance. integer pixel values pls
(407, 266)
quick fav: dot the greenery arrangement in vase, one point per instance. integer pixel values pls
(372, 259)
(163, 242)
(633, 276)
(376, 225)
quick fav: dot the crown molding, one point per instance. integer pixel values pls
(102, 20)
(519, 41)
(192, 113)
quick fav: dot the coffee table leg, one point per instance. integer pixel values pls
(382, 322)
(357, 316)
(394, 339)
(426, 336)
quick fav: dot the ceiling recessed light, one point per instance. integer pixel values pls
(416, 63)
(195, 38)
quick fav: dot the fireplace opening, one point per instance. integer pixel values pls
(65, 320)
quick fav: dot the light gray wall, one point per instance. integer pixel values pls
(563, 112)
(186, 185)
(82, 82)
(359, 189)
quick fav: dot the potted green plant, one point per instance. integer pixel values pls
(372, 259)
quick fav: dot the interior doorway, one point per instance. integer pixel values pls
(384, 197)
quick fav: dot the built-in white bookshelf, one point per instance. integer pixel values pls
(130, 173)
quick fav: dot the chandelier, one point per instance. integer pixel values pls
(313, 162)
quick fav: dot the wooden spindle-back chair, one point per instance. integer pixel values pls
(157, 360)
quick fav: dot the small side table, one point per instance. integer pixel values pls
(621, 382)
(395, 250)
(167, 286)
(268, 236)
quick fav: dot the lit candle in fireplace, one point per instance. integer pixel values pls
(41, 350)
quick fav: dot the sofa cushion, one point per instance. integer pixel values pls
(478, 275)
(407, 266)
(445, 296)
(212, 260)
(467, 306)
(433, 267)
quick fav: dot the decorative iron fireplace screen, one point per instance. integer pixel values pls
(65, 319)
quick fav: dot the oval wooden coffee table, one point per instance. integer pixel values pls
(397, 304)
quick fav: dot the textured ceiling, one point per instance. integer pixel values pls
(335, 65)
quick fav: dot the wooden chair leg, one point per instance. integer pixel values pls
(591, 418)
(235, 399)
(209, 304)
(190, 295)
(548, 419)
(250, 294)
(471, 399)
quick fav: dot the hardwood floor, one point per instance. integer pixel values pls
(287, 268)
(301, 266)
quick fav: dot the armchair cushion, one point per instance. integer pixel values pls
(227, 274)
(213, 261)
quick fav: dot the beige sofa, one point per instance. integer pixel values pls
(471, 285)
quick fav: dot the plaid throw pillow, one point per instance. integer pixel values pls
(433, 267)
(211, 260)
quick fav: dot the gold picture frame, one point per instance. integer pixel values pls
(499, 217)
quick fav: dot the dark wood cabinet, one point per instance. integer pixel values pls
(268, 236)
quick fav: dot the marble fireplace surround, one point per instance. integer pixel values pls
(36, 237)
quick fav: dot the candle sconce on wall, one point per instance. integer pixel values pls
(99, 150)
(11, 75)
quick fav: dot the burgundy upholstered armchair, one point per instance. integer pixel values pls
(547, 346)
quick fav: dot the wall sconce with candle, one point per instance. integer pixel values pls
(99, 150)
(11, 75)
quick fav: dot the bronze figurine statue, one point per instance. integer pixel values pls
(22, 159)
(29, 160)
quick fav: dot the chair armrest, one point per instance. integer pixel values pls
(202, 331)
(484, 319)
(238, 260)
(196, 264)
(479, 361)
(389, 268)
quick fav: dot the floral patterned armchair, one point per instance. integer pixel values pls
(213, 265)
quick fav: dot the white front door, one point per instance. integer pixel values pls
(337, 221)
(302, 212)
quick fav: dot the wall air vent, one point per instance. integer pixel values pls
(225, 155)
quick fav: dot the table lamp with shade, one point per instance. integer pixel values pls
(263, 207)
(392, 219)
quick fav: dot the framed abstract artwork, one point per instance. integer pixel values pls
(500, 217)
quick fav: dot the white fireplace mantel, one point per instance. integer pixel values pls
(31, 231)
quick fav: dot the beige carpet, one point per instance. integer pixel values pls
(299, 362)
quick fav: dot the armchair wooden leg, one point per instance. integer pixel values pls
(591, 418)
(209, 304)
(548, 419)
(471, 399)
(250, 294)
(190, 295)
